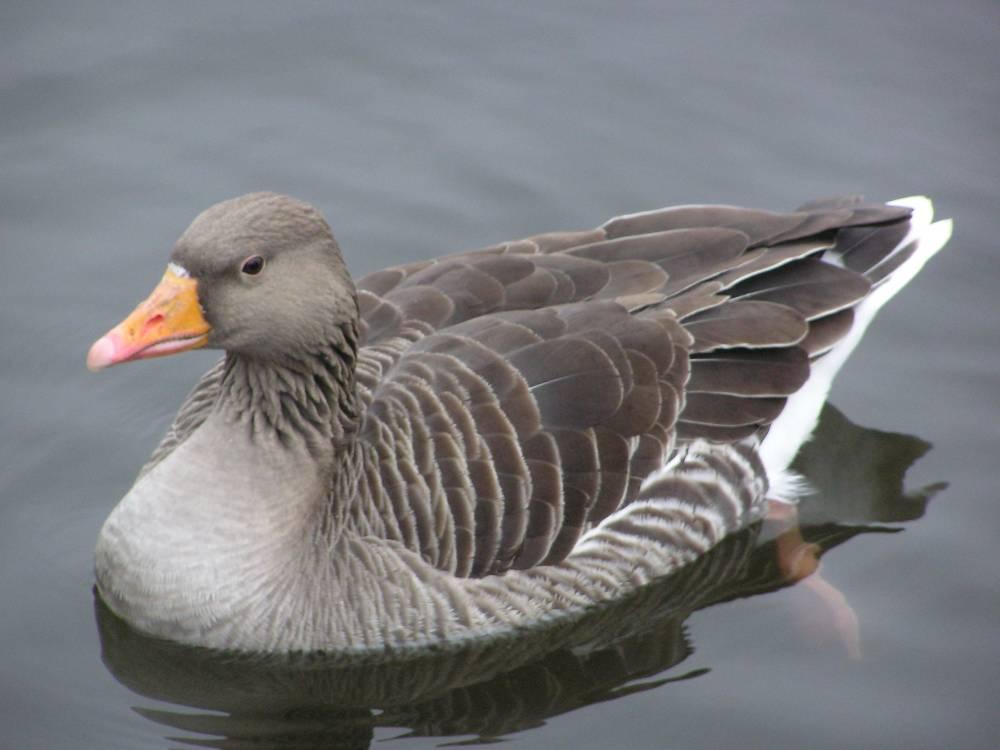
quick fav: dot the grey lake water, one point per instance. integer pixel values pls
(426, 128)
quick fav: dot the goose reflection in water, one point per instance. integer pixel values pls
(488, 690)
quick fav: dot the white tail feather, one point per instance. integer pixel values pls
(797, 421)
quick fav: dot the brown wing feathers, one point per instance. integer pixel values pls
(520, 394)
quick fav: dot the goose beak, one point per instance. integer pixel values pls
(169, 321)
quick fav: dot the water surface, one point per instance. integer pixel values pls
(420, 130)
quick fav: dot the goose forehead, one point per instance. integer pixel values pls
(232, 230)
(257, 213)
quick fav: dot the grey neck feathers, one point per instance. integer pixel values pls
(302, 399)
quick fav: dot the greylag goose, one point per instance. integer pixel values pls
(473, 445)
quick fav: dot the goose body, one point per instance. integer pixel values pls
(486, 441)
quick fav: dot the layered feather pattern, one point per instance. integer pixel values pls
(520, 394)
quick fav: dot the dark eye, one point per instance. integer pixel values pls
(252, 265)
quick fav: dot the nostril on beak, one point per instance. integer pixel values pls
(153, 321)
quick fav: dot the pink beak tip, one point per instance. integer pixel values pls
(101, 354)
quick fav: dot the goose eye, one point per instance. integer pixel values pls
(253, 265)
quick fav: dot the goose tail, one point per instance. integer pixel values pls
(889, 273)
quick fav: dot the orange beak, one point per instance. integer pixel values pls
(169, 321)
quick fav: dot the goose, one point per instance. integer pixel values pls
(471, 446)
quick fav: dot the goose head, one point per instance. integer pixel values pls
(260, 276)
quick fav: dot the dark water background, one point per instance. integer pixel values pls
(427, 128)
